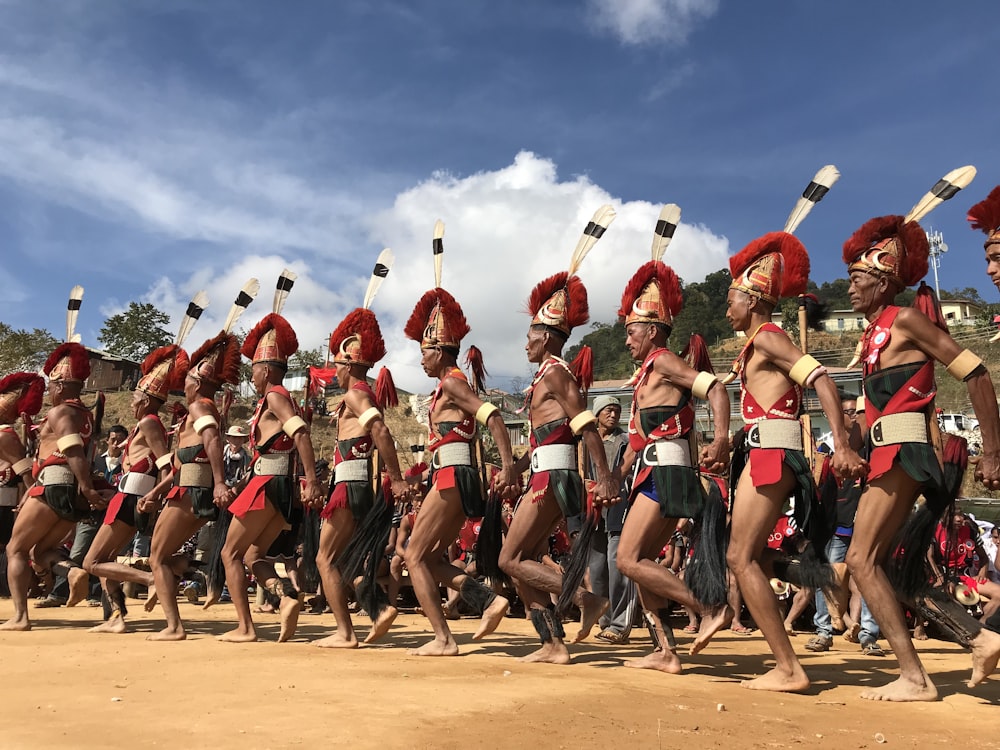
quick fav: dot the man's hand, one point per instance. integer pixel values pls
(96, 499)
(607, 491)
(148, 503)
(715, 456)
(988, 471)
(400, 490)
(507, 482)
(312, 494)
(222, 495)
(848, 465)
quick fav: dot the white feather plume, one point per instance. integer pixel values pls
(438, 247)
(243, 300)
(194, 310)
(813, 194)
(670, 217)
(381, 270)
(591, 234)
(73, 312)
(943, 190)
(285, 282)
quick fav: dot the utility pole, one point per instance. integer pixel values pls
(937, 248)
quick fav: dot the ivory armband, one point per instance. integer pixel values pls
(203, 423)
(861, 404)
(804, 372)
(22, 466)
(69, 441)
(964, 365)
(367, 417)
(164, 461)
(581, 420)
(293, 425)
(484, 412)
(702, 383)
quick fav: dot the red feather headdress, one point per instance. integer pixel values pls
(888, 246)
(21, 393)
(696, 354)
(559, 302)
(69, 362)
(437, 320)
(771, 267)
(358, 339)
(271, 340)
(653, 295)
(985, 216)
(218, 360)
(163, 370)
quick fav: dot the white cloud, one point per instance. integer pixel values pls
(650, 21)
(505, 230)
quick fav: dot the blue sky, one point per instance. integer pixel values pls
(150, 149)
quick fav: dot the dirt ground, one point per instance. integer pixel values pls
(64, 685)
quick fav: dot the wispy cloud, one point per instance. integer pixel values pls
(650, 21)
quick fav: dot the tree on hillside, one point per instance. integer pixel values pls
(24, 351)
(136, 332)
(704, 311)
(611, 358)
(304, 358)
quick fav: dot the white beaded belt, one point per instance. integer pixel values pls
(135, 483)
(553, 458)
(667, 453)
(271, 465)
(9, 497)
(195, 475)
(452, 454)
(776, 433)
(893, 429)
(355, 470)
(56, 475)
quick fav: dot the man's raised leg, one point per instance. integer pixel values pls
(242, 533)
(176, 524)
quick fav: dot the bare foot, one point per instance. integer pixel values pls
(151, 599)
(17, 623)
(985, 654)
(337, 641)
(290, 609)
(436, 648)
(114, 624)
(238, 636)
(903, 690)
(168, 634)
(79, 584)
(492, 617)
(781, 682)
(591, 609)
(214, 597)
(710, 625)
(381, 626)
(549, 653)
(450, 612)
(660, 660)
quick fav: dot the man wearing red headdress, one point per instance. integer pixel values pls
(773, 373)
(354, 505)
(898, 352)
(63, 492)
(146, 459)
(558, 413)
(198, 479)
(667, 486)
(456, 492)
(279, 437)
(985, 216)
(20, 394)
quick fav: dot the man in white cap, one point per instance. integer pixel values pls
(235, 455)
